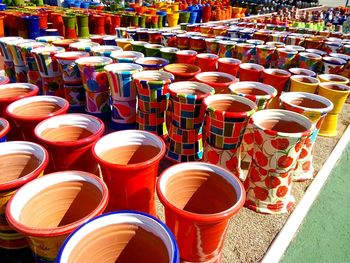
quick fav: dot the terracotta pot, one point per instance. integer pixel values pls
(278, 139)
(49, 208)
(16, 91)
(152, 90)
(152, 63)
(182, 72)
(336, 93)
(135, 237)
(198, 223)
(333, 78)
(302, 71)
(314, 107)
(302, 83)
(250, 72)
(229, 65)
(129, 162)
(28, 161)
(218, 80)
(261, 94)
(26, 113)
(225, 122)
(277, 78)
(207, 61)
(69, 139)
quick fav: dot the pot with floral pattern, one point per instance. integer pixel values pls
(49, 69)
(261, 94)
(226, 120)
(278, 139)
(9, 66)
(314, 107)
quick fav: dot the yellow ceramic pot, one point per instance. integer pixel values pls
(333, 78)
(336, 93)
(172, 19)
(301, 83)
(124, 43)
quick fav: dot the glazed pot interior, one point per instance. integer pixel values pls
(277, 72)
(301, 71)
(190, 88)
(199, 189)
(251, 66)
(228, 105)
(150, 61)
(18, 159)
(153, 76)
(129, 148)
(40, 106)
(305, 79)
(252, 88)
(182, 68)
(336, 86)
(333, 78)
(14, 90)
(67, 128)
(215, 78)
(281, 121)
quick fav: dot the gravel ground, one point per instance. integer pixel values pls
(250, 234)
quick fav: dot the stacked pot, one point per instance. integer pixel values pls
(152, 100)
(9, 66)
(186, 120)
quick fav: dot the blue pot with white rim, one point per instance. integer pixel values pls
(4, 129)
(117, 236)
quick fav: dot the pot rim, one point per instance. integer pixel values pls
(34, 90)
(190, 84)
(252, 67)
(310, 72)
(48, 39)
(187, 52)
(136, 166)
(207, 56)
(266, 115)
(5, 127)
(344, 88)
(13, 184)
(143, 62)
(47, 51)
(310, 55)
(205, 218)
(334, 60)
(314, 81)
(289, 96)
(272, 92)
(104, 48)
(71, 55)
(123, 67)
(28, 46)
(328, 78)
(36, 186)
(340, 55)
(93, 61)
(295, 47)
(174, 248)
(158, 76)
(83, 45)
(64, 104)
(270, 71)
(171, 68)
(231, 61)
(215, 73)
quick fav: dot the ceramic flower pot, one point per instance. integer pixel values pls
(212, 45)
(186, 56)
(207, 61)
(225, 123)
(98, 104)
(169, 53)
(302, 83)
(245, 52)
(330, 46)
(333, 65)
(69, 69)
(154, 37)
(285, 58)
(229, 65)
(261, 94)
(64, 43)
(121, 83)
(314, 107)
(295, 39)
(168, 39)
(124, 43)
(152, 63)
(129, 162)
(153, 50)
(278, 139)
(337, 93)
(310, 61)
(57, 201)
(4, 129)
(26, 113)
(316, 51)
(33, 73)
(153, 123)
(218, 80)
(83, 46)
(302, 71)
(9, 66)
(139, 46)
(69, 139)
(346, 70)
(181, 71)
(75, 95)
(15, 91)
(277, 78)
(227, 49)
(92, 73)
(15, 52)
(250, 72)
(133, 230)
(152, 90)
(105, 50)
(199, 226)
(264, 55)
(29, 161)
(333, 78)
(48, 39)
(315, 42)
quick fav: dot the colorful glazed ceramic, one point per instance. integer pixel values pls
(97, 104)
(310, 61)
(75, 95)
(285, 58)
(69, 69)
(83, 46)
(169, 53)
(333, 65)
(123, 114)
(333, 78)
(48, 39)
(4, 129)
(302, 83)
(278, 139)
(45, 59)
(314, 107)
(250, 72)
(182, 71)
(124, 43)
(152, 63)
(264, 55)
(105, 50)
(245, 52)
(229, 65)
(218, 80)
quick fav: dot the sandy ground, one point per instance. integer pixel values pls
(250, 234)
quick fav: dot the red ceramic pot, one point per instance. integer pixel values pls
(277, 78)
(210, 196)
(99, 25)
(129, 162)
(154, 37)
(15, 91)
(183, 41)
(26, 113)
(250, 72)
(229, 65)
(186, 56)
(207, 61)
(197, 43)
(218, 80)
(182, 71)
(69, 139)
